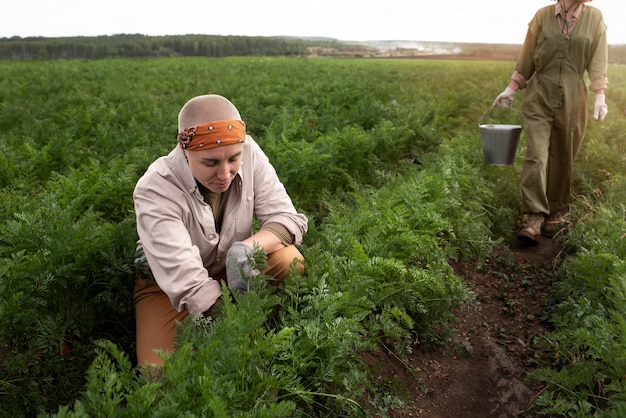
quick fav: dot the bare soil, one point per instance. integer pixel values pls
(488, 378)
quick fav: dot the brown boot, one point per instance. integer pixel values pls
(532, 230)
(554, 223)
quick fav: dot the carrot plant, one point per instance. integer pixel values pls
(588, 346)
(585, 375)
(384, 157)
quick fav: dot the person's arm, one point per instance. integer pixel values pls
(524, 67)
(272, 204)
(280, 223)
(513, 85)
(173, 259)
(265, 239)
(597, 70)
(238, 257)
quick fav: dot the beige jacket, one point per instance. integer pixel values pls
(177, 230)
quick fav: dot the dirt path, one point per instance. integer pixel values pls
(489, 379)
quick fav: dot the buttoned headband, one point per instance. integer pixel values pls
(212, 135)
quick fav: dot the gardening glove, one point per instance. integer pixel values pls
(600, 109)
(505, 99)
(238, 266)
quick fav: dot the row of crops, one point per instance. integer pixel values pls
(383, 156)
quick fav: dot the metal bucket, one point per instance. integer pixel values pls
(499, 141)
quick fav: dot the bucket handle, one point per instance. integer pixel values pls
(490, 108)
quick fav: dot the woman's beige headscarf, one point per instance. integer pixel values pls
(206, 108)
(209, 121)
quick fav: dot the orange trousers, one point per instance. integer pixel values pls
(156, 318)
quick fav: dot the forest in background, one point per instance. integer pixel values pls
(142, 46)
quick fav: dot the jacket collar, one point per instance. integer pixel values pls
(560, 10)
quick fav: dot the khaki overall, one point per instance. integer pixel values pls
(555, 113)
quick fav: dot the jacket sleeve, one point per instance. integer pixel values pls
(598, 64)
(174, 261)
(525, 66)
(272, 204)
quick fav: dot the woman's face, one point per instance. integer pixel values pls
(215, 168)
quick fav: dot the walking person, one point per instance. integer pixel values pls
(563, 41)
(195, 211)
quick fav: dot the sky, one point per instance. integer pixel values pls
(483, 21)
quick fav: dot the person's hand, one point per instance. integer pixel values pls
(505, 99)
(600, 109)
(238, 260)
(215, 310)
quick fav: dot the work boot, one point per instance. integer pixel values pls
(532, 230)
(554, 223)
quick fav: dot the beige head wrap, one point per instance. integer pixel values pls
(209, 121)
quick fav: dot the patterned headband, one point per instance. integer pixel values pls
(212, 135)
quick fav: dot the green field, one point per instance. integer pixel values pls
(384, 157)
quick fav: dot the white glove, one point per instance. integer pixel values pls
(600, 109)
(239, 259)
(505, 99)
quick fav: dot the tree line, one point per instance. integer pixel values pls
(143, 46)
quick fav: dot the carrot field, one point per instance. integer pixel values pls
(383, 156)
